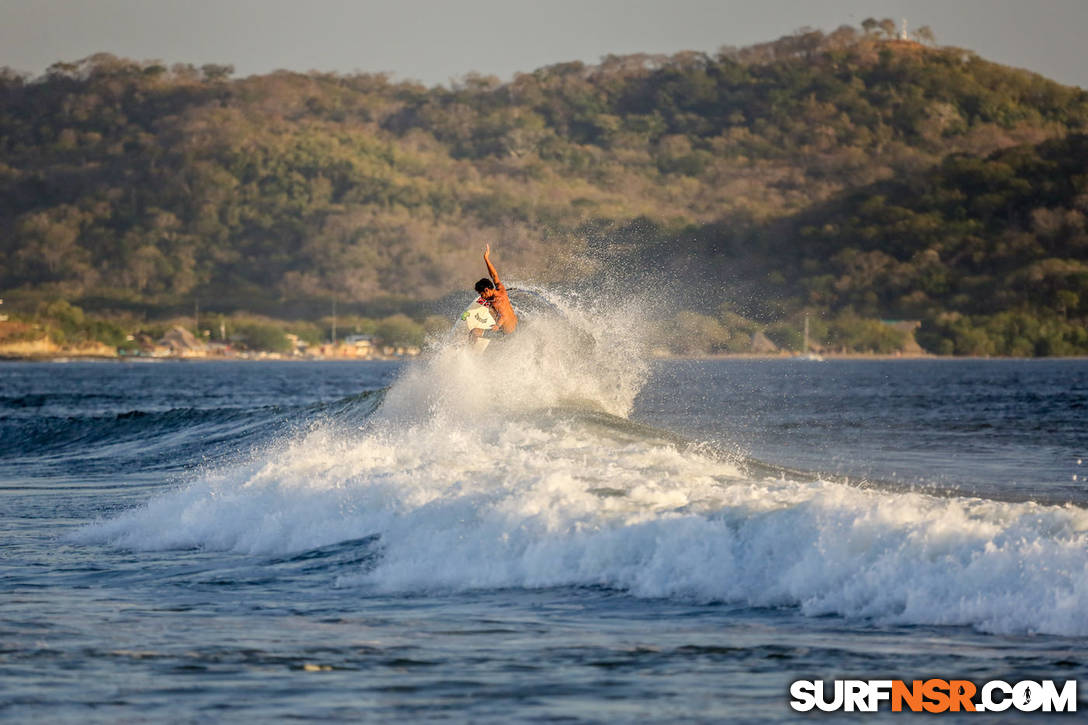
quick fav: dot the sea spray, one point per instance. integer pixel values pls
(567, 350)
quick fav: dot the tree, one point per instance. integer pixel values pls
(925, 34)
(214, 72)
(400, 330)
(753, 173)
(48, 248)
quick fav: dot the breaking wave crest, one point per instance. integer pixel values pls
(518, 468)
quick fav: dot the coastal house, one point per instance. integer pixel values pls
(361, 346)
(358, 347)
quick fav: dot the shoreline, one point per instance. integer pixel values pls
(832, 357)
(70, 358)
(180, 358)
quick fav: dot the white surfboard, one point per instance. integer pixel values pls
(478, 317)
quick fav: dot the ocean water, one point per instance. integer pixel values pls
(555, 530)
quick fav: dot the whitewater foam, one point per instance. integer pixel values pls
(514, 484)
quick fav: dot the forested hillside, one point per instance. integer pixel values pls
(847, 175)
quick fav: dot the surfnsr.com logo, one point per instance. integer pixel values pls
(933, 695)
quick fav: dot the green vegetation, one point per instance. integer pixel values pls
(1019, 334)
(65, 324)
(991, 252)
(726, 332)
(843, 174)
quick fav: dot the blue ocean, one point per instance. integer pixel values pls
(529, 535)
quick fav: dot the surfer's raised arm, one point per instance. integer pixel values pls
(493, 295)
(490, 267)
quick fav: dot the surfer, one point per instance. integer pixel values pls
(493, 296)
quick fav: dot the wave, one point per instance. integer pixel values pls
(519, 469)
(155, 439)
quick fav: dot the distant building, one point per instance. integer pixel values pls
(361, 345)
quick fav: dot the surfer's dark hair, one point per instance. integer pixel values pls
(483, 284)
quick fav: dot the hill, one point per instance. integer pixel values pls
(818, 173)
(1000, 240)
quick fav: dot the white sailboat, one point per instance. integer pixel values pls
(805, 353)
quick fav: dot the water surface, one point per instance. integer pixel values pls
(601, 540)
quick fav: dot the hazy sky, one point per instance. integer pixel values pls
(434, 41)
